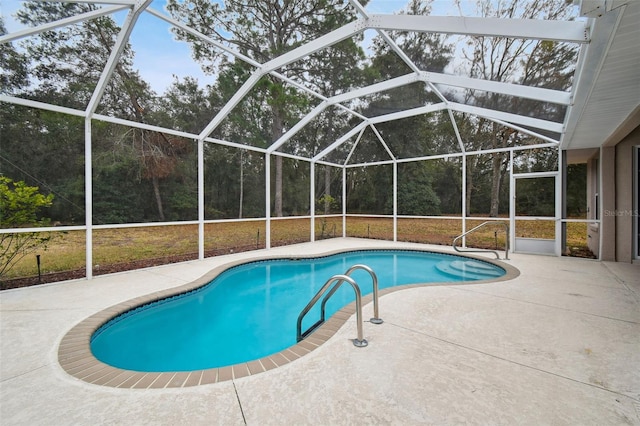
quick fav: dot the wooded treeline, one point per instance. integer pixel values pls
(144, 176)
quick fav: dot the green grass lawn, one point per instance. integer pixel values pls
(113, 249)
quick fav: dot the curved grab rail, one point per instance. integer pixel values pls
(340, 279)
(376, 318)
(506, 243)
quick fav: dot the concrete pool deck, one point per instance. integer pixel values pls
(559, 344)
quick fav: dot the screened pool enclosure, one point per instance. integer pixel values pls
(294, 121)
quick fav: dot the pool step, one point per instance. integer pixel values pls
(469, 269)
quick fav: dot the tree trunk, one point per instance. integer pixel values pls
(496, 173)
(469, 191)
(277, 131)
(156, 192)
(500, 140)
(472, 162)
(327, 190)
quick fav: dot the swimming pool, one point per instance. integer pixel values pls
(250, 311)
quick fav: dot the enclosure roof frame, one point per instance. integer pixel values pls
(567, 31)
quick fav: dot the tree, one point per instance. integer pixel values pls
(45, 149)
(539, 63)
(413, 136)
(370, 189)
(263, 30)
(20, 206)
(68, 63)
(232, 176)
(331, 79)
(577, 190)
(13, 66)
(71, 59)
(427, 51)
(415, 192)
(186, 106)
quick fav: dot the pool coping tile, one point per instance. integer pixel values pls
(209, 376)
(178, 379)
(113, 381)
(146, 381)
(225, 373)
(129, 382)
(268, 363)
(279, 359)
(193, 379)
(255, 367)
(240, 370)
(161, 381)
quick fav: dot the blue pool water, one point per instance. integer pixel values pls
(250, 311)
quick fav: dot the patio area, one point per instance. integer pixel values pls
(559, 344)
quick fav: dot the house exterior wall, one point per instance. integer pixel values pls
(608, 202)
(624, 206)
(601, 190)
(611, 199)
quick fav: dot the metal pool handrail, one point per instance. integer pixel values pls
(339, 280)
(376, 318)
(506, 243)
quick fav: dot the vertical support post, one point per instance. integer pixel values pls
(312, 201)
(395, 200)
(88, 199)
(512, 204)
(559, 198)
(267, 200)
(598, 204)
(464, 198)
(201, 199)
(344, 202)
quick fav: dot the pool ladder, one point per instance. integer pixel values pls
(337, 281)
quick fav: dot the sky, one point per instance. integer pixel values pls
(159, 58)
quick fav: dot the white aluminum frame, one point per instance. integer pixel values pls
(565, 31)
